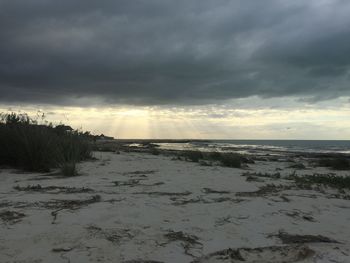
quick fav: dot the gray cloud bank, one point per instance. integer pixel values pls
(172, 52)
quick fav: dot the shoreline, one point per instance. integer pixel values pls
(148, 145)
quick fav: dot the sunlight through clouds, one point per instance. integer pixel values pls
(227, 121)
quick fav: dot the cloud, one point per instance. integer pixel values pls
(160, 52)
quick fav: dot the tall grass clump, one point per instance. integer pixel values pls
(28, 145)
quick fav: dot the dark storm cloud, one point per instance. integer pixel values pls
(160, 52)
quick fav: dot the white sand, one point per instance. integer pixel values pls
(132, 221)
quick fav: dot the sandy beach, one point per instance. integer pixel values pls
(139, 207)
(191, 131)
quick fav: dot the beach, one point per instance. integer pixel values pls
(141, 207)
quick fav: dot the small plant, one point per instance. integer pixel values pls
(69, 169)
(215, 156)
(193, 156)
(231, 160)
(154, 151)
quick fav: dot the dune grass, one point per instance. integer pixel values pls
(30, 146)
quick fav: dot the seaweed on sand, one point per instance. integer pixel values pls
(212, 191)
(188, 241)
(11, 217)
(111, 235)
(142, 261)
(286, 254)
(60, 205)
(302, 239)
(165, 193)
(53, 189)
(269, 189)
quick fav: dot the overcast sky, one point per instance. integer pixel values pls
(185, 53)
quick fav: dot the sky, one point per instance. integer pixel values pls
(203, 69)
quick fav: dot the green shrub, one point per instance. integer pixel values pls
(31, 146)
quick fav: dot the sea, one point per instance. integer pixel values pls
(262, 146)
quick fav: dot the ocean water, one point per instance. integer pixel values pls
(263, 146)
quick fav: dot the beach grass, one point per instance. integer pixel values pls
(30, 146)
